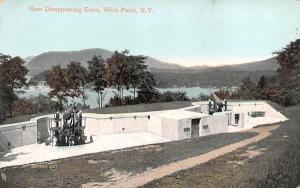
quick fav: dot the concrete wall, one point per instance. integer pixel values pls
(155, 125)
(182, 124)
(16, 135)
(43, 132)
(170, 129)
(129, 125)
(97, 126)
(213, 124)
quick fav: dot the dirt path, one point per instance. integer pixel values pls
(159, 172)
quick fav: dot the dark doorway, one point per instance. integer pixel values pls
(236, 118)
(195, 128)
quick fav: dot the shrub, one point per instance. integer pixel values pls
(35, 105)
(114, 101)
(170, 96)
(2, 113)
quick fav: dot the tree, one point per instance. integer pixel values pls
(136, 68)
(147, 91)
(3, 105)
(247, 90)
(12, 78)
(289, 72)
(96, 68)
(272, 92)
(78, 75)
(61, 85)
(117, 72)
(262, 83)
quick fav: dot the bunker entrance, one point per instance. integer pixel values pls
(195, 128)
(236, 118)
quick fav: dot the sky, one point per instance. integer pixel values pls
(200, 32)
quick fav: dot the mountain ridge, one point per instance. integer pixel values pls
(45, 61)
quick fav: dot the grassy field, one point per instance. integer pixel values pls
(101, 167)
(273, 162)
(114, 110)
(141, 107)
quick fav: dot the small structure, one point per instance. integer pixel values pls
(42, 84)
(182, 124)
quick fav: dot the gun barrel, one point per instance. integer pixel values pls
(217, 99)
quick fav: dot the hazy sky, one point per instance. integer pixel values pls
(210, 32)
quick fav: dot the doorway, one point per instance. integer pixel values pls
(236, 118)
(195, 128)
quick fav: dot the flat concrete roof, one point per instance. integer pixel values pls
(180, 114)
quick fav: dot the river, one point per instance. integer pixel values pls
(109, 93)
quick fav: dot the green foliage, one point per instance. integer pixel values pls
(125, 71)
(78, 76)
(137, 72)
(12, 78)
(248, 89)
(169, 96)
(61, 85)
(284, 88)
(146, 89)
(262, 83)
(35, 105)
(96, 68)
(150, 96)
(116, 71)
(289, 72)
(3, 108)
(116, 101)
(68, 82)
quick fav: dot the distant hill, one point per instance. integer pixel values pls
(265, 65)
(229, 75)
(46, 61)
(29, 58)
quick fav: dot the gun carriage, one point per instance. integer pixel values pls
(72, 130)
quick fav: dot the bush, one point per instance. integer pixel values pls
(116, 101)
(170, 96)
(2, 114)
(35, 105)
(147, 97)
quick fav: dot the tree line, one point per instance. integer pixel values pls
(122, 71)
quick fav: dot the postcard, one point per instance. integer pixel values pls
(145, 93)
